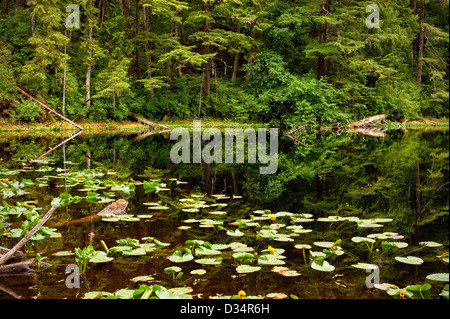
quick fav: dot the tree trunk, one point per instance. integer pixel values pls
(64, 83)
(324, 64)
(236, 59)
(207, 50)
(5, 5)
(89, 63)
(148, 57)
(88, 159)
(138, 55)
(417, 197)
(420, 43)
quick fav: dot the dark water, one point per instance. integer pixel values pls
(402, 177)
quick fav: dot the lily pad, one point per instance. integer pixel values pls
(439, 277)
(362, 239)
(235, 233)
(209, 261)
(430, 244)
(324, 266)
(100, 257)
(245, 269)
(242, 256)
(324, 244)
(198, 272)
(135, 252)
(411, 260)
(201, 251)
(142, 278)
(270, 260)
(180, 257)
(171, 270)
(365, 266)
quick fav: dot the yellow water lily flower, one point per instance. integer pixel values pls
(242, 294)
(271, 249)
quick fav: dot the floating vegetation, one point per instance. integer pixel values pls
(210, 243)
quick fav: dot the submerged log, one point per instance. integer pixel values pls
(116, 208)
(16, 257)
(21, 268)
(27, 237)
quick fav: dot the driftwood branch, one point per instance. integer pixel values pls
(49, 109)
(27, 237)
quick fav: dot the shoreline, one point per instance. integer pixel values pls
(132, 126)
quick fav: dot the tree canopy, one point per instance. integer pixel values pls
(297, 61)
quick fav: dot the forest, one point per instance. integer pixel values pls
(293, 62)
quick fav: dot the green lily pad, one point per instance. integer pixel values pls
(439, 277)
(124, 294)
(209, 261)
(324, 266)
(430, 244)
(219, 246)
(242, 255)
(235, 233)
(203, 251)
(362, 239)
(245, 269)
(198, 272)
(134, 252)
(365, 266)
(324, 244)
(142, 278)
(410, 260)
(180, 257)
(273, 260)
(171, 270)
(100, 257)
(393, 245)
(97, 294)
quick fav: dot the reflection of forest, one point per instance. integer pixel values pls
(404, 176)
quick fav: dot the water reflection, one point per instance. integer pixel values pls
(403, 176)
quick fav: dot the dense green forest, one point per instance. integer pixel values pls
(295, 61)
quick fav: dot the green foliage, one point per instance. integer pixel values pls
(155, 63)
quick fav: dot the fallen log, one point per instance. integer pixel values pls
(49, 109)
(369, 121)
(27, 237)
(16, 257)
(116, 208)
(143, 120)
(22, 268)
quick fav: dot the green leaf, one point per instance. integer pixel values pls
(180, 257)
(324, 266)
(439, 277)
(411, 260)
(245, 269)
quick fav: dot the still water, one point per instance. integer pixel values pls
(345, 197)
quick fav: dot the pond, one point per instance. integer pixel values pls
(343, 213)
